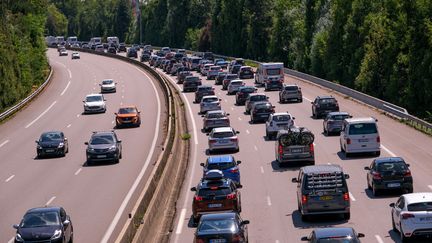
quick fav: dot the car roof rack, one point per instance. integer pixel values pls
(214, 175)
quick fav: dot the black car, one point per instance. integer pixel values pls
(182, 76)
(53, 143)
(235, 69)
(333, 234)
(145, 57)
(220, 77)
(202, 91)
(103, 146)
(322, 105)
(132, 52)
(122, 47)
(222, 227)
(243, 93)
(45, 224)
(261, 111)
(112, 50)
(389, 173)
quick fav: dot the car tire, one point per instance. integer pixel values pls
(325, 131)
(378, 153)
(314, 116)
(402, 236)
(89, 162)
(393, 224)
(71, 238)
(368, 185)
(347, 216)
(300, 100)
(267, 135)
(410, 190)
(375, 191)
(347, 154)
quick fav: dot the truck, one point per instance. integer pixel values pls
(270, 75)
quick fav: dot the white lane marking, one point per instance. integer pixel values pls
(121, 103)
(247, 131)
(122, 97)
(64, 91)
(126, 200)
(10, 178)
(352, 197)
(430, 187)
(262, 169)
(112, 122)
(70, 74)
(181, 221)
(268, 201)
(232, 108)
(78, 115)
(4, 143)
(255, 147)
(307, 99)
(277, 241)
(78, 171)
(388, 151)
(239, 118)
(43, 113)
(12, 240)
(225, 100)
(50, 201)
(61, 64)
(69, 125)
(378, 238)
(94, 88)
(219, 93)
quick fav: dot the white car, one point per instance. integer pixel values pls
(108, 85)
(234, 86)
(278, 121)
(206, 68)
(63, 52)
(223, 138)
(94, 103)
(75, 55)
(412, 215)
(209, 103)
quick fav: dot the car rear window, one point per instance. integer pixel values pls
(192, 79)
(237, 83)
(221, 165)
(273, 71)
(222, 134)
(281, 118)
(291, 88)
(327, 101)
(392, 166)
(325, 181)
(248, 90)
(362, 128)
(215, 115)
(205, 88)
(207, 100)
(215, 68)
(258, 98)
(231, 77)
(217, 225)
(339, 117)
(422, 206)
(338, 239)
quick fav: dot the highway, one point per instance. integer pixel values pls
(98, 198)
(268, 195)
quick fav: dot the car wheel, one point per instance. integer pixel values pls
(63, 154)
(71, 239)
(281, 100)
(378, 153)
(368, 185)
(38, 156)
(300, 100)
(375, 191)
(267, 135)
(325, 131)
(347, 216)
(347, 154)
(410, 190)
(89, 162)
(314, 116)
(393, 224)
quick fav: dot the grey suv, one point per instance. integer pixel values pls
(322, 189)
(103, 146)
(290, 92)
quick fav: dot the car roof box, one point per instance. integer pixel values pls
(214, 175)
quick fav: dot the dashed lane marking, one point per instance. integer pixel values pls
(378, 238)
(247, 131)
(181, 221)
(78, 115)
(69, 125)
(9, 178)
(4, 143)
(50, 201)
(240, 118)
(269, 201)
(78, 171)
(430, 187)
(262, 169)
(307, 99)
(70, 73)
(255, 147)
(388, 151)
(64, 91)
(43, 113)
(352, 197)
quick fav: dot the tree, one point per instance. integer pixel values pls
(122, 19)
(56, 22)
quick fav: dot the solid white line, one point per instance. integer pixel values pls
(181, 221)
(67, 86)
(352, 197)
(4, 143)
(247, 131)
(388, 151)
(78, 171)
(255, 147)
(126, 200)
(268, 201)
(69, 125)
(277, 241)
(43, 113)
(70, 74)
(10, 178)
(378, 238)
(430, 187)
(262, 169)
(240, 118)
(307, 99)
(12, 240)
(50, 201)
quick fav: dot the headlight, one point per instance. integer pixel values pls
(112, 148)
(61, 145)
(90, 150)
(39, 147)
(19, 238)
(57, 234)
(85, 104)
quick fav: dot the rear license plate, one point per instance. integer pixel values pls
(393, 185)
(223, 141)
(298, 150)
(101, 156)
(365, 140)
(326, 198)
(214, 205)
(217, 240)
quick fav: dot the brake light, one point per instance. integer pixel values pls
(214, 188)
(280, 150)
(198, 198)
(304, 199)
(236, 238)
(378, 139)
(200, 241)
(407, 173)
(231, 196)
(311, 147)
(234, 170)
(407, 215)
(212, 141)
(376, 175)
(348, 141)
(346, 196)
(233, 139)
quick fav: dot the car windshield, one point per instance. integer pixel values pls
(107, 82)
(336, 239)
(47, 137)
(219, 191)
(222, 135)
(392, 166)
(421, 206)
(215, 115)
(40, 219)
(281, 118)
(246, 69)
(218, 225)
(93, 98)
(258, 98)
(102, 139)
(231, 76)
(273, 71)
(127, 110)
(209, 100)
(221, 165)
(362, 128)
(339, 117)
(214, 68)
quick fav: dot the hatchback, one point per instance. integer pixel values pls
(220, 77)
(333, 122)
(203, 90)
(221, 227)
(242, 94)
(213, 72)
(213, 119)
(234, 86)
(333, 234)
(52, 143)
(389, 173)
(227, 79)
(223, 138)
(322, 105)
(261, 111)
(225, 163)
(252, 98)
(191, 83)
(246, 72)
(209, 103)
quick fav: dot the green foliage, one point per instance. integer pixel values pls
(56, 22)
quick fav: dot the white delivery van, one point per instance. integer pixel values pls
(270, 75)
(360, 135)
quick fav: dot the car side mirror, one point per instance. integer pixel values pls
(311, 102)
(245, 222)
(220, 99)
(408, 165)
(347, 176)
(294, 180)
(237, 132)
(238, 162)
(100, 84)
(104, 99)
(239, 186)
(65, 139)
(202, 164)
(273, 106)
(66, 222)
(193, 189)
(15, 226)
(83, 101)
(36, 141)
(86, 143)
(350, 116)
(228, 114)
(304, 238)
(207, 134)
(115, 113)
(392, 205)
(360, 235)
(366, 168)
(293, 118)
(119, 141)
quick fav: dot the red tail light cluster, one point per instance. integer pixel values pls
(200, 241)
(236, 238)
(348, 141)
(231, 196)
(346, 196)
(311, 147)
(234, 170)
(376, 175)
(280, 150)
(198, 198)
(304, 199)
(212, 141)
(407, 215)
(407, 173)
(233, 139)
(378, 139)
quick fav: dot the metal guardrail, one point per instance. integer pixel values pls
(23, 102)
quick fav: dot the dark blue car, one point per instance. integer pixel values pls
(225, 163)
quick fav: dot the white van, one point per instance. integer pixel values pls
(360, 135)
(270, 75)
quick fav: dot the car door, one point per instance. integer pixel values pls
(66, 228)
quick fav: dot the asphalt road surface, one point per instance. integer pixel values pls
(98, 198)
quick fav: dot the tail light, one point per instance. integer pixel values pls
(304, 199)
(348, 141)
(407, 173)
(311, 147)
(346, 196)
(378, 139)
(280, 150)
(233, 139)
(231, 196)
(198, 198)
(212, 141)
(236, 238)
(407, 215)
(376, 175)
(234, 170)
(200, 241)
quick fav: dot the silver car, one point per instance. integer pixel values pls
(234, 86)
(108, 85)
(213, 119)
(333, 122)
(209, 103)
(223, 138)
(213, 72)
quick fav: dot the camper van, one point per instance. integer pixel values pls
(95, 41)
(71, 40)
(270, 75)
(113, 40)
